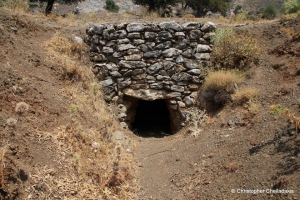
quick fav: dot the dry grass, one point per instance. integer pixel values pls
(196, 118)
(16, 5)
(289, 32)
(222, 81)
(232, 50)
(253, 109)
(84, 171)
(67, 53)
(244, 95)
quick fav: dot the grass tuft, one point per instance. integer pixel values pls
(244, 95)
(222, 81)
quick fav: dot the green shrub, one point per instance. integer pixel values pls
(232, 50)
(269, 12)
(16, 4)
(291, 6)
(111, 6)
(276, 109)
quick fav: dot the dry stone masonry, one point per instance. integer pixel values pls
(149, 61)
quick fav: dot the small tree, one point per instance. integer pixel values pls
(111, 6)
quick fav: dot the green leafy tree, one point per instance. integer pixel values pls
(202, 6)
(111, 6)
(155, 5)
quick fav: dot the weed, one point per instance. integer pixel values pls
(94, 87)
(11, 121)
(253, 109)
(276, 109)
(196, 118)
(72, 108)
(232, 50)
(241, 15)
(222, 81)
(244, 95)
(289, 32)
(21, 107)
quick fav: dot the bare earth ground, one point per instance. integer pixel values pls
(257, 152)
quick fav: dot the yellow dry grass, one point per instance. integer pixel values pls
(67, 53)
(244, 95)
(16, 5)
(222, 81)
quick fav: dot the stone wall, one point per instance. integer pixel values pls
(149, 61)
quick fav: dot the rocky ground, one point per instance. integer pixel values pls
(234, 150)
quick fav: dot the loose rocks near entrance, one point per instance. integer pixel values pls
(149, 61)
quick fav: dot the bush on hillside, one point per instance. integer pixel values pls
(217, 89)
(269, 12)
(111, 6)
(232, 50)
(291, 6)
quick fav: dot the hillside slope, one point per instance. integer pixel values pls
(68, 145)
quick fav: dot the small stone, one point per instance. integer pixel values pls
(133, 57)
(177, 88)
(188, 101)
(164, 35)
(107, 50)
(202, 48)
(152, 54)
(134, 35)
(209, 26)
(191, 26)
(135, 27)
(179, 59)
(106, 82)
(115, 74)
(181, 104)
(124, 47)
(171, 52)
(194, 71)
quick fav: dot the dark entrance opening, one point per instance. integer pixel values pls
(152, 119)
